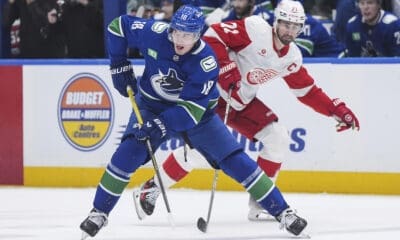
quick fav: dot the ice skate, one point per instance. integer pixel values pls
(145, 198)
(93, 223)
(258, 213)
(292, 223)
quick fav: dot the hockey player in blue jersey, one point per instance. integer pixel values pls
(176, 96)
(315, 40)
(373, 32)
(245, 8)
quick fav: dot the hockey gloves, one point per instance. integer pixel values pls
(229, 80)
(153, 129)
(229, 76)
(344, 116)
(122, 75)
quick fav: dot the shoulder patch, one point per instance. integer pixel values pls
(152, 53)
(389, 18)
(159, 27)
(208, 64)
(356, 36)
(115, 27)
(352, 19)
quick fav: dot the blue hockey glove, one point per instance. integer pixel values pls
(122, 75)
(153, 129)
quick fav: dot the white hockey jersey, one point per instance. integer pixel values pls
(250, 43)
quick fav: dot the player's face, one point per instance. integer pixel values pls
(287, 31)
(369, 10)
(183, 41)
(240, 6)
(167, 8)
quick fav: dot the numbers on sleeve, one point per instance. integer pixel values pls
(307, 30)
(207, 87)
(397, 36)
(229, 27)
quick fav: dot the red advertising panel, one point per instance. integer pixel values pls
(11, 162)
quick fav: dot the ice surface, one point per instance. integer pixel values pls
(55, 213)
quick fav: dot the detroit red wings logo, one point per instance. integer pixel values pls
(259, 75)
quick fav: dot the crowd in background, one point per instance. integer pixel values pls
(55, 28)
(75, 29)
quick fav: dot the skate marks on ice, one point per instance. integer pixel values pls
(50, 213)
(395, 230)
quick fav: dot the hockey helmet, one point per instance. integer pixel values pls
(188, 19)
(290, 11)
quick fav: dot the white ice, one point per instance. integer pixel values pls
(55, 213)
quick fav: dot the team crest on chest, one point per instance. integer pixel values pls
(168, 85)
(259, 76)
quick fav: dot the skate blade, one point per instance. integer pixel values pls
(84, 235)
(139, 211)
(260, 217)
(304, 235)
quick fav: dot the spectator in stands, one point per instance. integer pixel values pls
(40, 32)
(245, 8)
(320, 9)
(396, 7)
(373, 32)
(82, 22)
(6, 30)
(316, 41)
(167, 10)
(345, 9)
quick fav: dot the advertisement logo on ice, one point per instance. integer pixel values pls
(85, 112)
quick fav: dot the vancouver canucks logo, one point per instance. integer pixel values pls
(168, 86)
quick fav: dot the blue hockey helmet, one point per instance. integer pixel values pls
(188, 18)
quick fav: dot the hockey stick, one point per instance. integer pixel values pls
(201, 223)
(151, 153)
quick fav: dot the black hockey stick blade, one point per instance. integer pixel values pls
(202, 224)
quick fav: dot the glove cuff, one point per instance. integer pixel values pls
(117, 64)
(121, 67)
(161, 126)
(336, 102)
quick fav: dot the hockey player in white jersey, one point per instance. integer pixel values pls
(252, 53)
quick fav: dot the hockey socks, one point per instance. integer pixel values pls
(110, 188)
(269, 167)
(172, 171)
(245, 171)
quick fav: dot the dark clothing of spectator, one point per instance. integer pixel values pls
(345, 9)
(83, 28)
(38, 38)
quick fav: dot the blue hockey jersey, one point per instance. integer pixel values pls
(258, 10)
(382, 39)
(182, 88)
(315, 41)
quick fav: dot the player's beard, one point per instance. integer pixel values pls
(243, 12)
(285, 39)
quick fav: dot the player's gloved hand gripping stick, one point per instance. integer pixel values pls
(151, 153)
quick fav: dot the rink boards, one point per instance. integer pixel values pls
(62, 120)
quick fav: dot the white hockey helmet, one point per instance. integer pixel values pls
(290, 11)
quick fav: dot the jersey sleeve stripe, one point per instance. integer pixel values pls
(194, 110)
(115, 27)
(302, 91)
